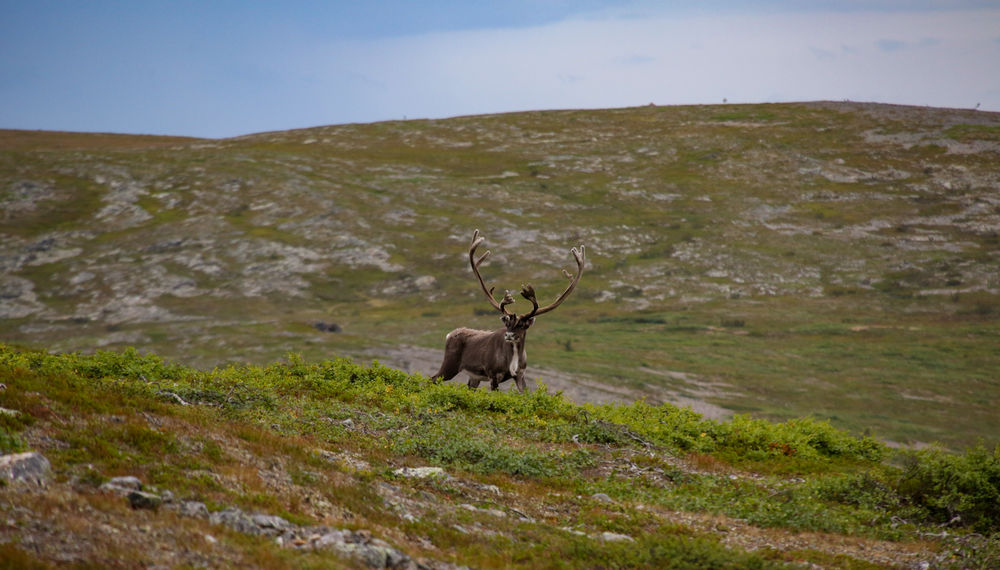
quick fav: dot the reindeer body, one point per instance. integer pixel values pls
(485, 355)
(499, 355)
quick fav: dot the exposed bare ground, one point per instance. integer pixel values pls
(576, 387)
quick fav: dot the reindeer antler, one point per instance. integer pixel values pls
(508, 299)
(528, 292)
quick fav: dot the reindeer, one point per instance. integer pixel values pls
(499, 355)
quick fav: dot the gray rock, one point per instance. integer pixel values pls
(615, 537)
(421, 472)
(425, 282)
(31, 467)
(237, 520)
(193, 509)
(123, 485)
(329, 538)
(375, 554)
(372, 557)
(602, 497)
(18, 298)
(492, 512)
(359, 545)
(271, 524)
(256, 524)
(144, 500)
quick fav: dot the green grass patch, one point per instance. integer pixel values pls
(968, 133)
(192, 431)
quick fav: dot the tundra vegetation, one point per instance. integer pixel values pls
(798, 269)
(527, 480)
(837, 260)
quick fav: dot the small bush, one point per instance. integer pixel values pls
(805, 438)
(128, 364)
(10, 442)
(958, 489)
(666, 424)
(864, 490)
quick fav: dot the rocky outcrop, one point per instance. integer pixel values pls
(356, 544)
(31, 467)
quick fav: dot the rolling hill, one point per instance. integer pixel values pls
(834, 260)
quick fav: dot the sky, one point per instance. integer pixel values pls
(222, 68)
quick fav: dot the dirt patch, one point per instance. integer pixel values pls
(576, 387)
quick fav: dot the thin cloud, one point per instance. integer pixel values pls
(703, 59)
(822, 54)
(288, 72)
(890, 46)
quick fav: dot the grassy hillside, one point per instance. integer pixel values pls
(302, 464)
(831, 260)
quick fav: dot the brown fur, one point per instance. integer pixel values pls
(485, 355)
(498, 356)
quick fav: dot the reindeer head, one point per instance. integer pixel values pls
(517, 326)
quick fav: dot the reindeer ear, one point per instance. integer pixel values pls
(530, 322)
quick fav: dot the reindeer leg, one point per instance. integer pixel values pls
(519, 380)
(445, 373)
(452, 363)
(475, 380)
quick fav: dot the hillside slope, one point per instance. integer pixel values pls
(125, 461)
(829, 259)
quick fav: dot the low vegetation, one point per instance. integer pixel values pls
(532, 480)
(832, 260)
(820, 277)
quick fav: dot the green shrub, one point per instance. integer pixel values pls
(962, 488)
(741, 438)
(666, 424)
(806, 438)
(127, 364)
(866, 490)
(10, 442)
